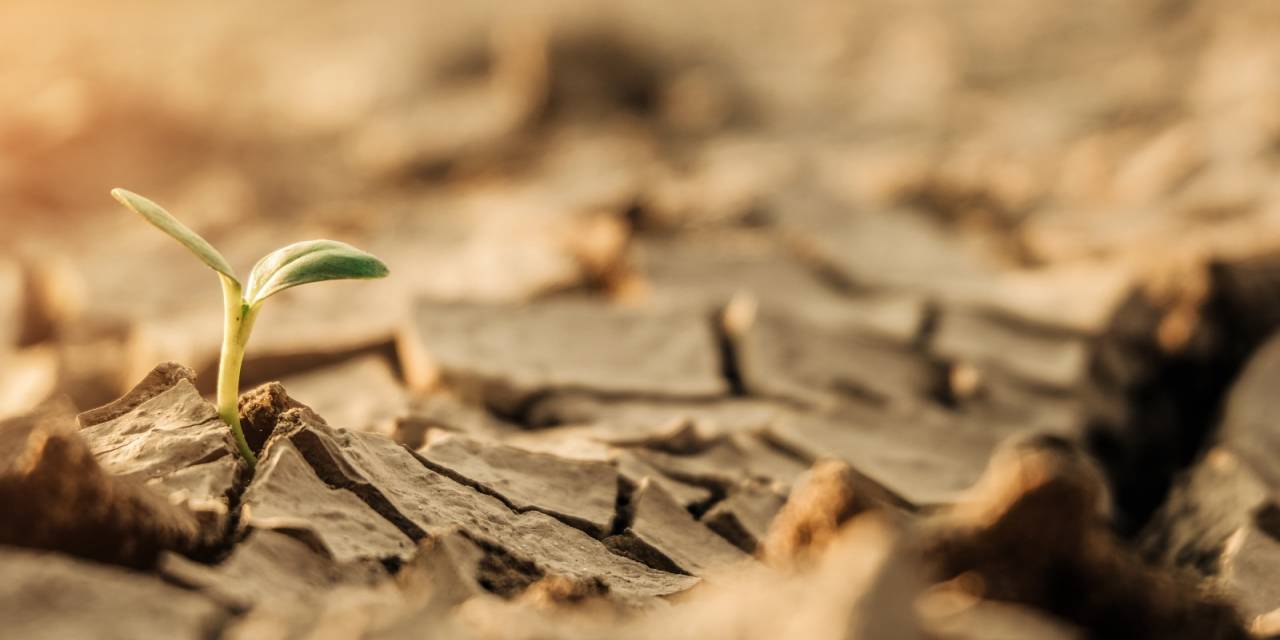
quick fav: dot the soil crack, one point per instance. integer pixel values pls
(334, 471)
(721, 321)
(576, 523)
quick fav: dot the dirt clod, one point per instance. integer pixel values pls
(829, 494)
(559, 591)
(161, 378)
(58, 498)
(1031, 531)
(260, 409)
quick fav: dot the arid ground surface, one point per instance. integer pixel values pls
(754, 320)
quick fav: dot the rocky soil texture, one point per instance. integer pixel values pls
(836, 320)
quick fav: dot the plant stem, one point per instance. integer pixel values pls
(237, 325)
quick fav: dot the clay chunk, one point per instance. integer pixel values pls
(744, 516)
(784, 356)
(402, 489)
(505, 355)
(708, 271)
(896, 249)
(1222, 519)
(579, 492)
(267, 568)
(1051, 359)
(727, 462)
(630, 419)
(662, 534)
(165, 434)
(924, 458)
(51, 596)
(287, 495)
(57, 497)
(634, 469)
(272, 575)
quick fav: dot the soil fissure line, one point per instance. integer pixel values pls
(726, 349)
(718, 490)
(1176, 403)
(234, 495)
(576, 523)
(335, 472)
(621, 541)
(624, 513)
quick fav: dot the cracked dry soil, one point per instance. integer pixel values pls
(826, 320)
(637, 500)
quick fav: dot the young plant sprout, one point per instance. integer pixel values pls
(300, 263)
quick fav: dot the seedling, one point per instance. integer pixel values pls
(300, 263)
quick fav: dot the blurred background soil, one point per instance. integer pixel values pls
(1094, 174)
(491, 152)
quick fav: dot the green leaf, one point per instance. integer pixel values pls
(157, 216)
(310, 261)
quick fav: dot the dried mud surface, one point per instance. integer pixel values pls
(832, 320)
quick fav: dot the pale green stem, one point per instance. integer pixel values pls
(238, 325)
